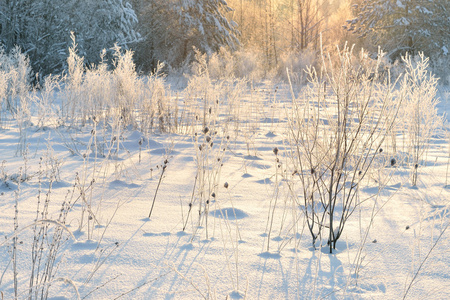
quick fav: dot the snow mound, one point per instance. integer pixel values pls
(229, 213)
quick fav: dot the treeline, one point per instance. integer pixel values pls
(272, 32)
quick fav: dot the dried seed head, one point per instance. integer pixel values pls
(225, 185)
(313, 171)
(200, 147)
(416, 166)
(211, 144)
(275, 151)
(381, 150)
(360, 172)
(228, 137)
(190, 204)
(213, 195)
(207, 201)
(205, 130)
(208, 138)
(393, 161)
(210, 110)
(407, 227)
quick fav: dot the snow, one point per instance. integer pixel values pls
(400, 4)
(391, 237)
(401, 21)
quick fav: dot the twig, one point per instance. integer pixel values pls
(159, 183)
(424, 260)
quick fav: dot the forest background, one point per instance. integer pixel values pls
(257, 38)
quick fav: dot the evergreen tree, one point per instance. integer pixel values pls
(42, 28)
(172, 28)
(400, 26)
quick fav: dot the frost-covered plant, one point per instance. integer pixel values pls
(335, 134)
(44, 100)
(18, 67)
(221, 64)
(201, 95)
(97, 91)
(74, 80)
(15, 77)
(249, 64)
(3, 89)
(296, 63)
(420, 114)
(155, 104)
(126, 85)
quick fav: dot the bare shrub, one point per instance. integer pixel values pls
(335, 134)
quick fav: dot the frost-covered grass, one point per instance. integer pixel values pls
(235, 177)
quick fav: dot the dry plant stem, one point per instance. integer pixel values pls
(374, 212)
(191, 204)
(235, 216)
(109, 222)
(43, 221)
(101, 286)
(164, 166)
(14, 253)
(100, 262)
(225, 218)
(424, 261)
(271, 216)
(448, 162)
(35, 239)
(189, 281)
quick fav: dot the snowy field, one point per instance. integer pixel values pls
(226, 219)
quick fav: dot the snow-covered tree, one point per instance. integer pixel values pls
(42, 28)
(401, 26)
(102, 24)
(172, 28)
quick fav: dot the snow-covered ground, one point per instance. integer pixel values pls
(396, 242)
